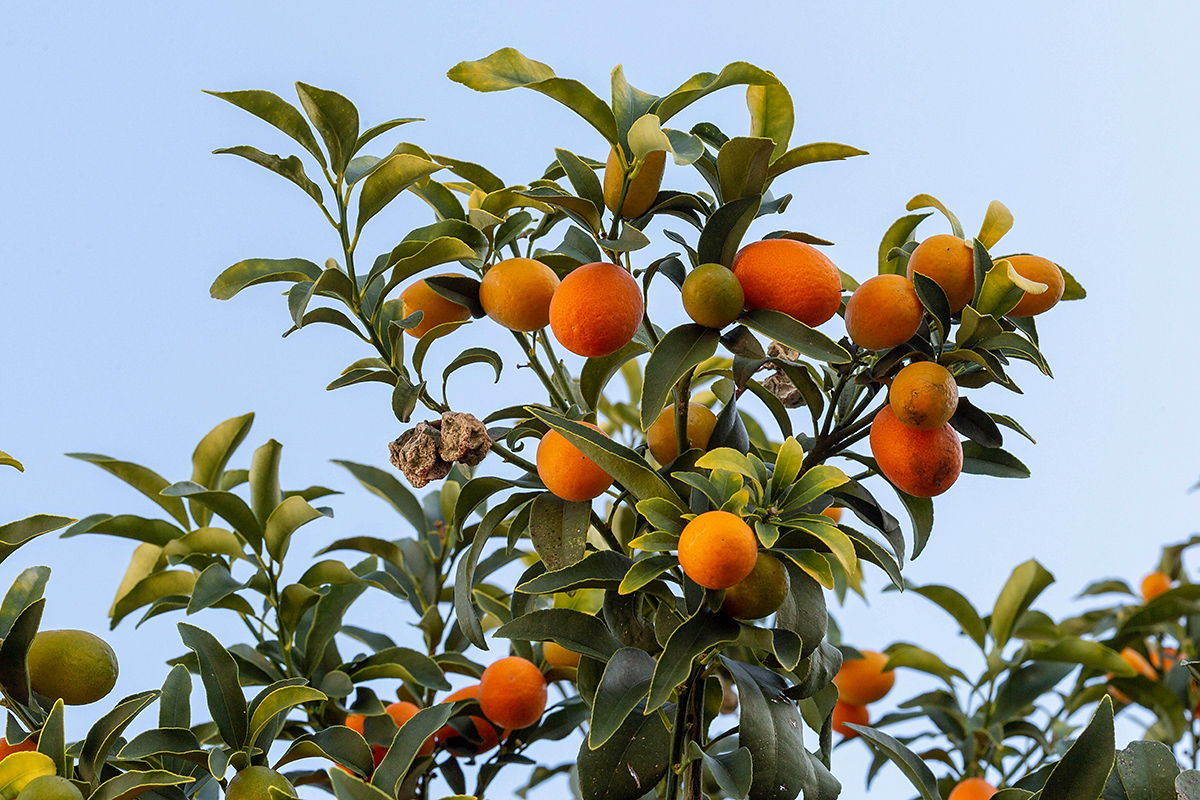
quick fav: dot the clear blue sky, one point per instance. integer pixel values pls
(1081, 117)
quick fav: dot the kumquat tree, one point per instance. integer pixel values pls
(635, 560)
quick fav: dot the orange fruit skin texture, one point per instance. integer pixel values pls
(401, 713)
(516, 293)
(950, 261)
(512, 693)
(789, 276)
(1138, 663)
(972, 789)
(437, 309)
(567, 472)
(1155, 584)
(862, 681)
(883, 312)
(843, 712)
(712, 296)
(7, 749)
(642, 190)
(833, 512)
(717, 549)
(1042, 270)
(483, 728)
(596, 310)
(759, 594)
(558, 656)
(661, 433)
(923, 395)
(921, 463)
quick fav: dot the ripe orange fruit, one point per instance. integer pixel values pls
(972, 789)
(1165, 661)
(661, 433)
(512, 693)
(483, 728)
(558, 656)
(596, 310)
(789, 276)
(712, 296)
(883, 312)
(567, 472)
(923, 395)
(516, 293)
(920, 463)
(950, 262)
(862, 681)
(1042, 270)
(7, 749)
(717, 549)
(437, 310)
(834, 513)
(759, 594)
(843, 712)
(1155, 584)
(1138, 663)
(76, 667)
(401, 713)
(643, 189)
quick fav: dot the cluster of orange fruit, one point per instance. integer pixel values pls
(860, 682)
(511, 693)
(1162, 659)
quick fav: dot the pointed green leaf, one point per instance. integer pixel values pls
(772, 115)
(1084, 768)
(623, 685)
(278, 112)
(335, 118)
(222, 689)
(283, 522)
(1024, 585)
(996, 222)
(145, 480)
(395, 174)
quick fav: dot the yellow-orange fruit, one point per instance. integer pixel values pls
(843, 712)
(661, 434)
(1138, 663)
(436, 310)
(1155, 584)
(950, 262)
(923, 395)
(596, 310)
(759, 594)
(401, 713)
(972, 789)
(7, 749)
(487, 733)
(567, 472)
(516, 293)
(512, 693)
(920, 463)
(789, 276)
(712, 296)
(883, 312)
(643, 189)
(717, 549)
(1042, 270)
(558, 656)
(862, 681)
(834, 513)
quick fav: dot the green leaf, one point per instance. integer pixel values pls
(14, 652)
(623, 685)
(1073, 650)
(222, 689)
(958, 607)
(387, 486)
(1188, 784)
(910, 763)
(283, 522)
(628, 104)
(395, 174)
(26, 590)
(212, 586)
(227, 505)
(1072, 290)
(464, 583)
(1003, 287)
(732, 771)
(738, 73)
(145, 480)
(597, 372)
(217, 447)
(722, 234)
(381, 128)
(582, 177)
(687, 643)
(980, 460)
(15, 534)
(276, 701)
(291, 167)
(262, 270)
(996, 222)
(278, 112)
(796, 335)
(771, 729)
(337, 744)
(1023, 586)
(933, 299)
(900, 232)
(175, 700)
(912, 657)
(630, 764)
(814, 153)
(1084, 768)
(152, 531)
(574, 630)
(403, 663)
(1025, 685)
(772, 115)
(350, 787)
(602, 569)
(679, 351)
(508, 69)
(52, 739)
(929, 201)
(409, 739)
(1146, 771)
(265, 493)
(558, 530)
(135, 782)
(624, 464)
(154, 587)
(106, 733)
(335, 118)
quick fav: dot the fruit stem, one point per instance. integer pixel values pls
(531, 353)
(678, 783)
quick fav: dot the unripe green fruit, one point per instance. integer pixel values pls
(254, 783)
(50, 787)
(712, 296)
